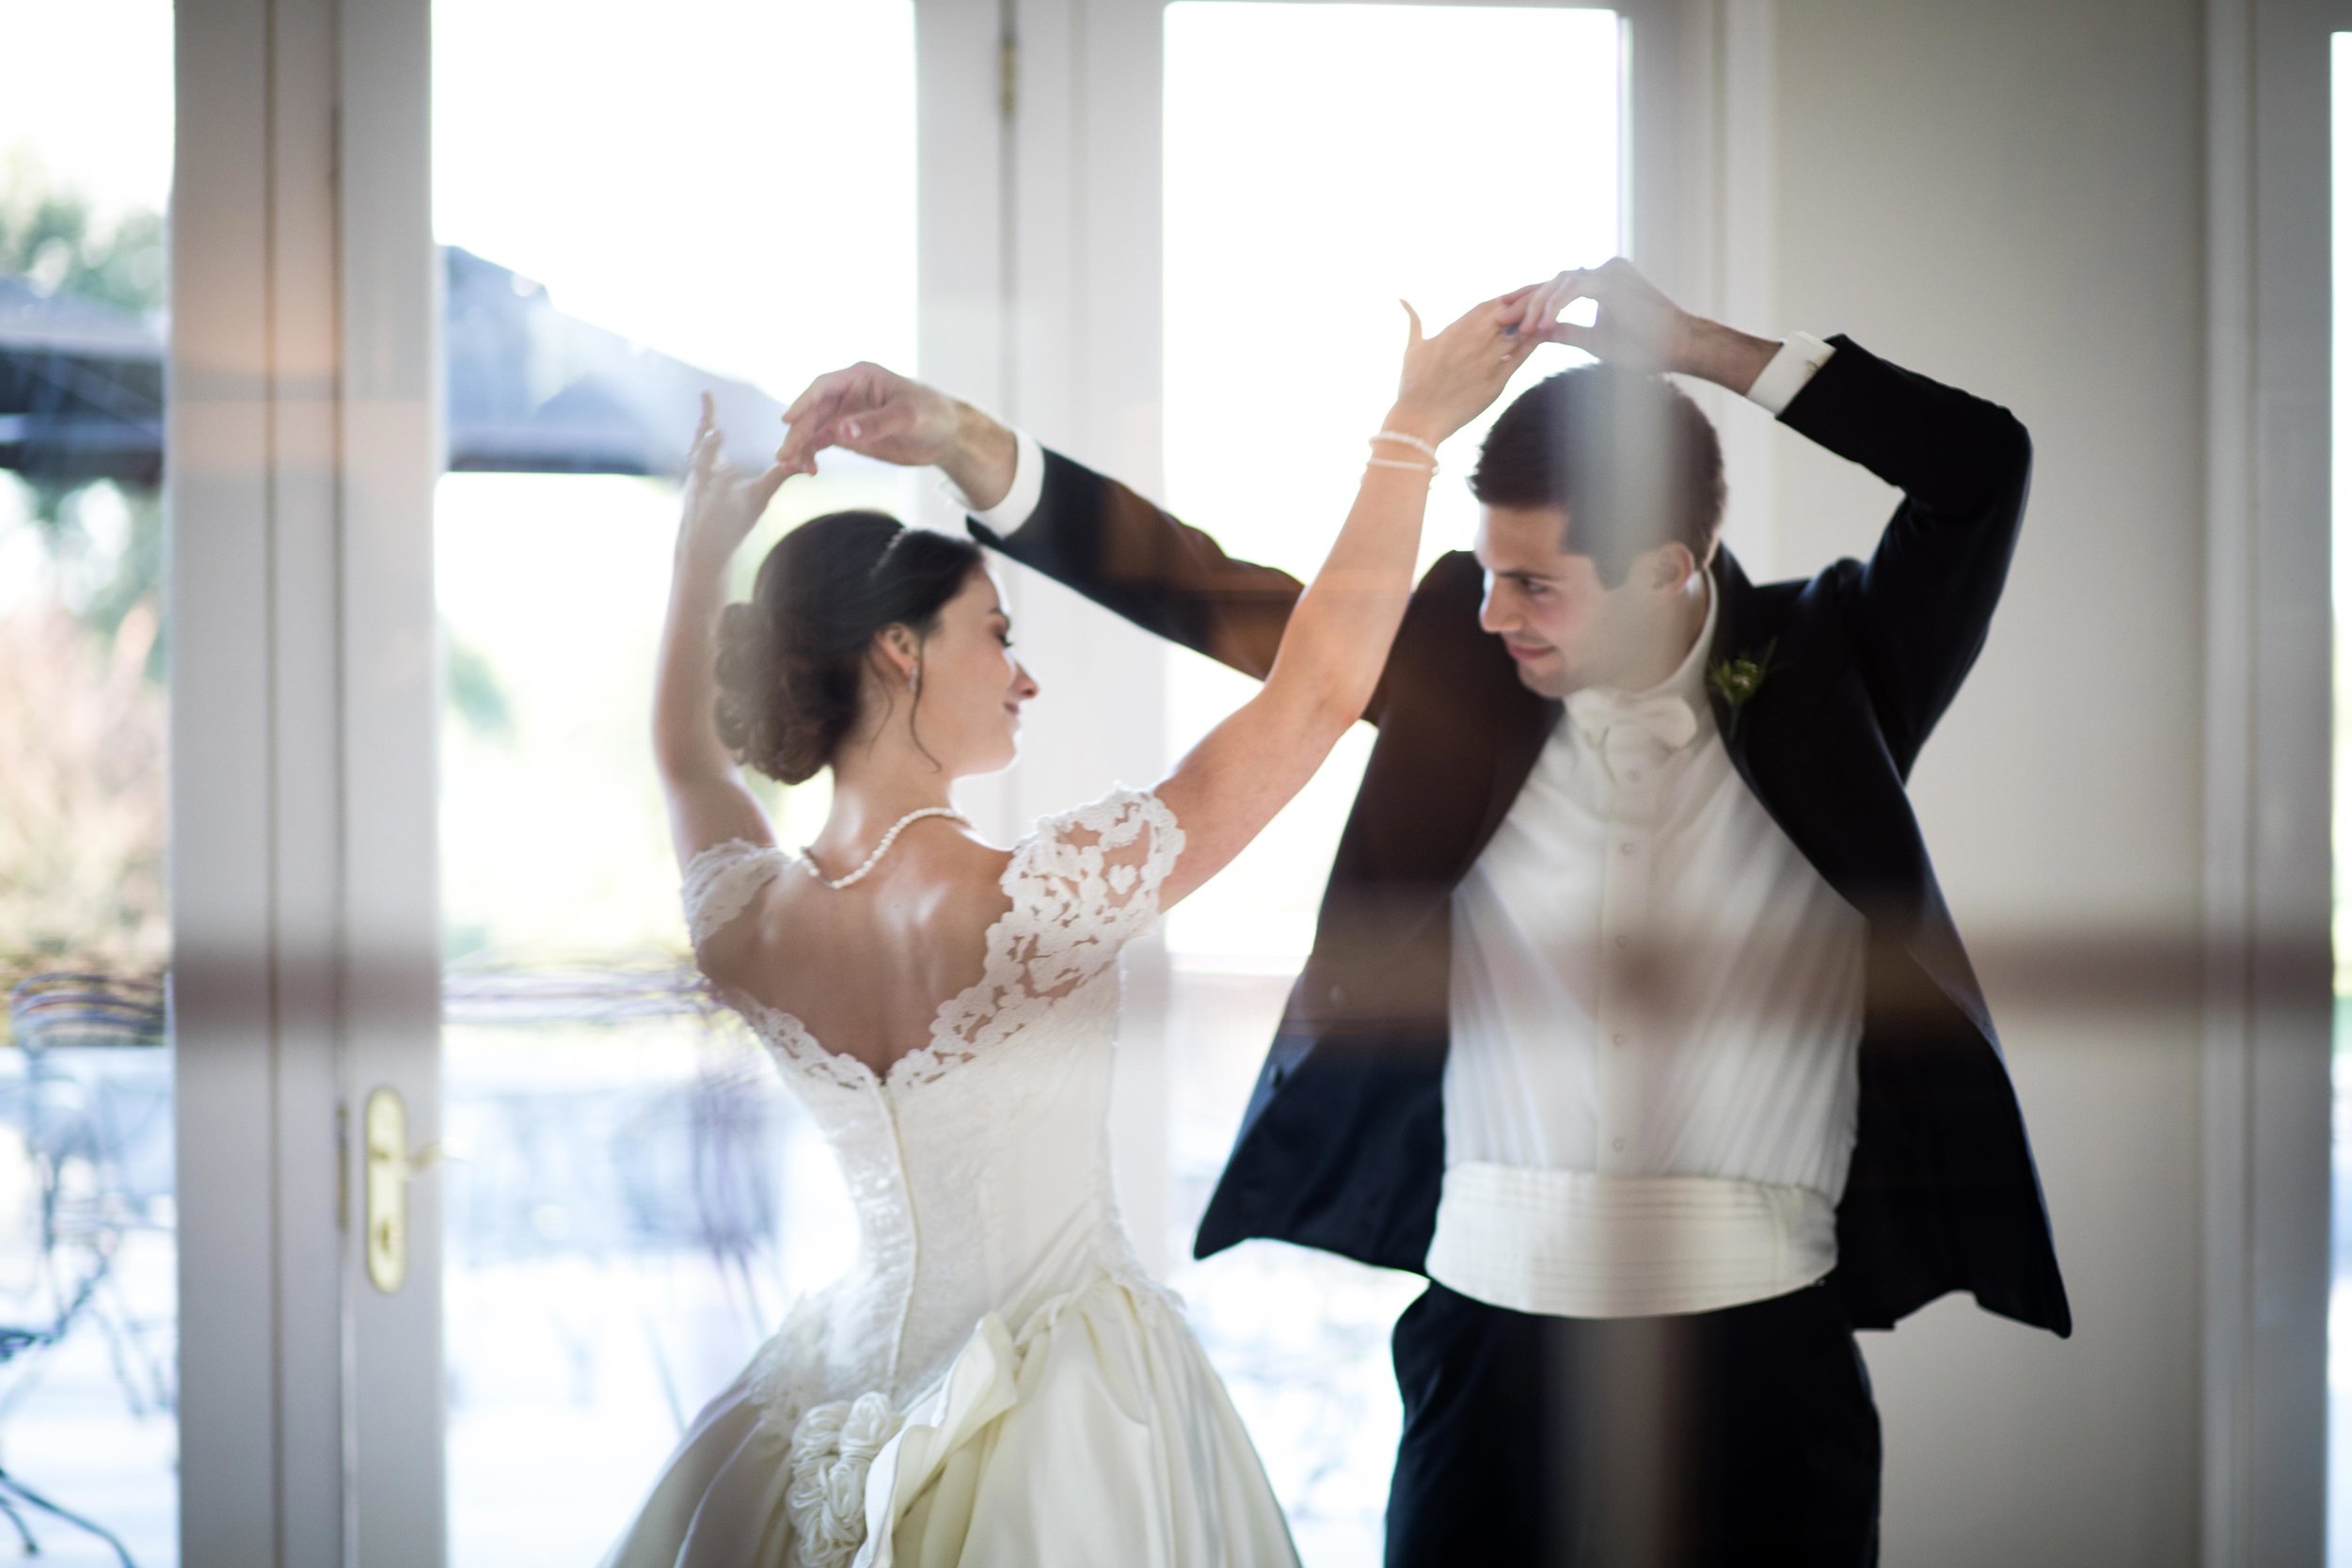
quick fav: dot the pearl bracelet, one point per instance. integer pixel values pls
(1430, 469)
(1413, 441)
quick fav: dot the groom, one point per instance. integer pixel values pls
(1635, 1019)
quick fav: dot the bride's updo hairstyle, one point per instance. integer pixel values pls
(791, 661)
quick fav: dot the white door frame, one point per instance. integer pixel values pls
(2268, 725)
(305, 699)
(390, 450)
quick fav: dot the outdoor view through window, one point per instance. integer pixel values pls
(87, 1260)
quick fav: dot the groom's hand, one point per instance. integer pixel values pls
(879, 413)
(1636, 326)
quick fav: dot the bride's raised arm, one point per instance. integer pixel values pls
(707, 802)
(1230, 786)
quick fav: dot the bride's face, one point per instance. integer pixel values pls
(973, 687)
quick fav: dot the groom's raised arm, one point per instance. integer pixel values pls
(1094, 535)
(1924, 601)
(1079, 527)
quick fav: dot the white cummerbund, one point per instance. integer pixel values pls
(1572, 1244)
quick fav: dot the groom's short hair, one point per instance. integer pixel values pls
(1628, 456)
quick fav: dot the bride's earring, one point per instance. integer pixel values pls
(914, 679)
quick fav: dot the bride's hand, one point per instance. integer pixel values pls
(1450, 379)
(722, 502)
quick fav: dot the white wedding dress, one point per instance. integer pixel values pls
(996, 1382)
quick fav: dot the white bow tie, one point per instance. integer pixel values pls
(1665, 720)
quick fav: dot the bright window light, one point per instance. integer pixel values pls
(1323, 161)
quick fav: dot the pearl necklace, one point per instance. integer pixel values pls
(809, 861)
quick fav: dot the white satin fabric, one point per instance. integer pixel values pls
(996, 1381)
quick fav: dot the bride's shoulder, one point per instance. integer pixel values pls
(962, 881)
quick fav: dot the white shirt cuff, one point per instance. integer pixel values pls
(1792, 368)
(1028, 486)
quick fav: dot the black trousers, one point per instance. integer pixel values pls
(1741, 1436)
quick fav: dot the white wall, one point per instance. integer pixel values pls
(2006, 196)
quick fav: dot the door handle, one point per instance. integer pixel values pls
(390, 1163)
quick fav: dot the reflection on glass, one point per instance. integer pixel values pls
(87, 1258)
(633, 1197)
(1366, 154)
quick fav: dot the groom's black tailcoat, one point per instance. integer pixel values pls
(1343, 1145)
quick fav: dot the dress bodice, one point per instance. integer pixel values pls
(978, 1165)
(995, 1380)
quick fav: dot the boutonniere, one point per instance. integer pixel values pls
(1738, 679)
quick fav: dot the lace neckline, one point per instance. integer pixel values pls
(802, 1045)
(1038, 951)
(941, 1052)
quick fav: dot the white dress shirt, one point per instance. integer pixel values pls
(1656, 1003)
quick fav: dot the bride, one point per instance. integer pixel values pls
(996, 1381)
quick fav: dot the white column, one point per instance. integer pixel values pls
(2267, 729)
(1701, 196)
(963, 185)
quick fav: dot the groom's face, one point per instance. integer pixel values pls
(1556, 618)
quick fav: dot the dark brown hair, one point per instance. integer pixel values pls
(1628, 456)
(791, 661)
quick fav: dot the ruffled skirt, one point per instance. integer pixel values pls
(1093, 1432)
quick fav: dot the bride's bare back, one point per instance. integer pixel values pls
(865, 969)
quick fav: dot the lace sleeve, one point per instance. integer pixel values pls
(722, 881)
(1082, 886)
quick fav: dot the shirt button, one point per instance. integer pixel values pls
(1633, 776)
(1628, 848)
(1617, 1144)
(1616, 1040)
(1625, 942)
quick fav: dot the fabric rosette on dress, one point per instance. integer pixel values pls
(833, 1449)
